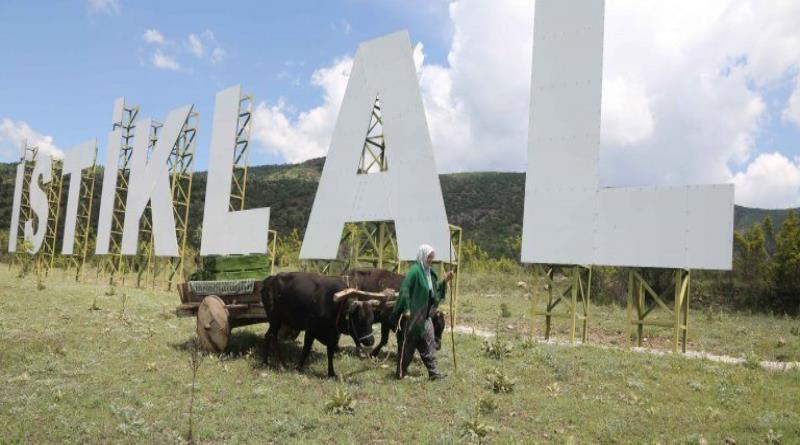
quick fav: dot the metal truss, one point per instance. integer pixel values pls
(373, 154)
(28, 159)
(241, 153)
(144, 263)
(575, 298)
(47, 254)
(83, 220)
(643, 300)
(114, 264)
(181, 166)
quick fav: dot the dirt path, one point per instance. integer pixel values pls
(768, 365)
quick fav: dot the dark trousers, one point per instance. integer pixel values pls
(425, 344)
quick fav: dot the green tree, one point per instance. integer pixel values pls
(769, 235)
(786, 272)
(751, 266)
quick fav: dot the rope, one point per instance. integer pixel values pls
(452, 311)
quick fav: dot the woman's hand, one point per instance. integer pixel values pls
(449, 276)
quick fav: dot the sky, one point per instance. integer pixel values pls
(693, 92)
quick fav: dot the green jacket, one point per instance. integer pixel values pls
(416, 297)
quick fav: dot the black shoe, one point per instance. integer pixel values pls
(437, 375)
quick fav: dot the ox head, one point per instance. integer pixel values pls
(360, 317)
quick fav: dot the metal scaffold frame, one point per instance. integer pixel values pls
(576, 297)
(29, 154)
(181, 166)
(373, 154)
(114, 263)
(145, 263)
(241, 153)
(83, 224)
(643, 300)
(47, 255)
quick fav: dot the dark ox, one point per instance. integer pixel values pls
(304, 302)
(376, 280)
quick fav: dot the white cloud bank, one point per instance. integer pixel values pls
(683, 97)
(14, 133)
(202, 46)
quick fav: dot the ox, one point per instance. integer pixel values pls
(376, 280)
(304, 302)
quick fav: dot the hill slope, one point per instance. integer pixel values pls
(487, 205)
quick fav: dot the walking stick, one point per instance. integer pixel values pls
(452, 311)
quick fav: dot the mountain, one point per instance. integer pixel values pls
(487, 205)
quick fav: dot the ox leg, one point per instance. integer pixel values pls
(385, 328)
(271, 342)
(308, 341)
(331, 372)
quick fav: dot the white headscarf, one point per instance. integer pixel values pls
(422, 256)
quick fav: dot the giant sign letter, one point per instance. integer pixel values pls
(107, 199)
(568, 219)
(226, 232)
(409, 191)
(39, 203)
(75, 160)
(149, 181)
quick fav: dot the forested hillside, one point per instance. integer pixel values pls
(487, 205)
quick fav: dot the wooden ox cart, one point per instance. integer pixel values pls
(220, 306)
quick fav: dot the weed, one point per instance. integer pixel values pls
(487, 406)
(94, 306)
(795, 330)
(473, 430)
(111, 291)
(751, 361)
(505, 312)
(195, 361)
(341, 402)
(500, 382)
(773, 438)
(497, 349)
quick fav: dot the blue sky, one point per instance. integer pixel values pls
(69, 61)
(693, 92)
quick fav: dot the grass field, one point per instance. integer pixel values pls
(78, 364)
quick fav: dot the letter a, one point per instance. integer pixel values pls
(407, 188)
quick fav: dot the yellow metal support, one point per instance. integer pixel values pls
(29, 154)
(83, 220)
(181, 165)
(47, 254)
(643, 300)
(575, 298)
(114, 265)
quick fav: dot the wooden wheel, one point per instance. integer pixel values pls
(213, 328)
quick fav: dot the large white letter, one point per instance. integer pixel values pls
(149, 181)
(568, 219)
(109, 181)
(75, 160)
(409, 191)
(226, 232)
(13, 230)
(39, 205)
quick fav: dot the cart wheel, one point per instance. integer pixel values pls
(213, 328)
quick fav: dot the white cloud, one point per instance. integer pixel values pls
(14, 133)
(110, 7)
(770, 181)
(307, 135)
(217, 55)
(154, 36)
(683, 94)
(164, 61)
(195, 45)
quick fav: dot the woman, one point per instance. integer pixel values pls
(420, 294)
